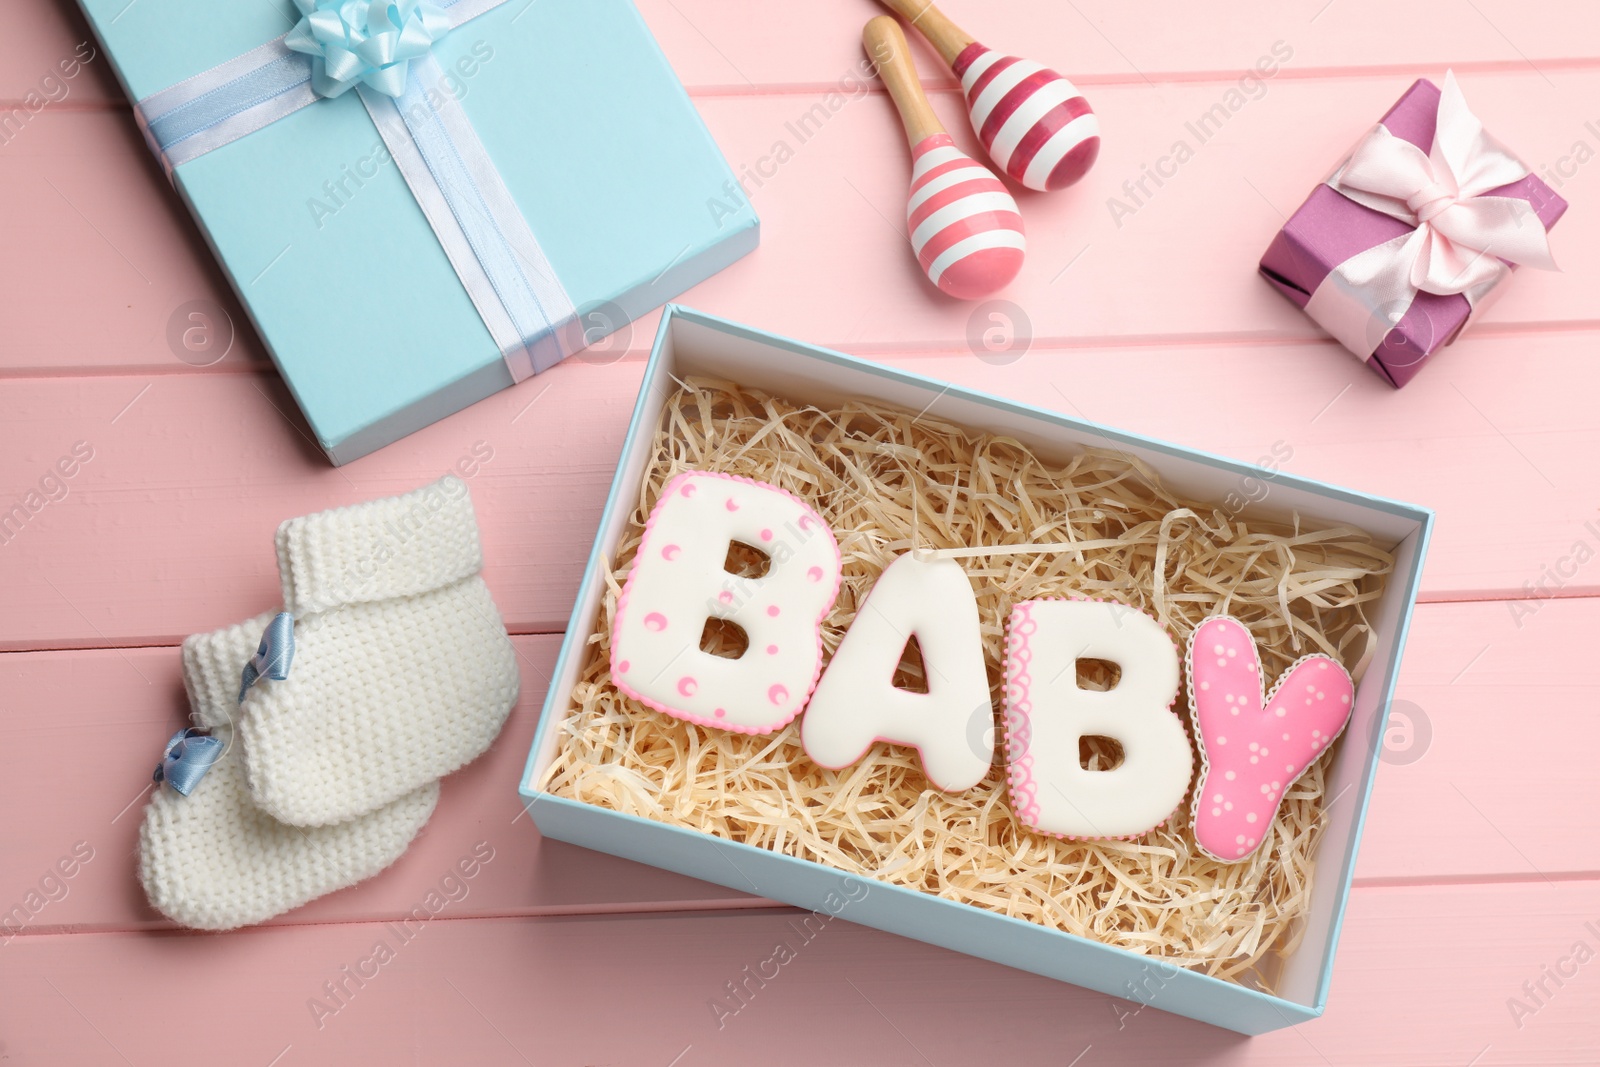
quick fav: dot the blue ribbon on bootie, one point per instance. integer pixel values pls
(191, 751)
(273, 656)
(188, 756)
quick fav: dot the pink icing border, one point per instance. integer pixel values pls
(1198, 742)
(1022, 782)
(627, 587)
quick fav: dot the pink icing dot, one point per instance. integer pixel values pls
(687, 686)
(732, 505)
(766, 535)
(655, 621)
(688, 488)
(622, 668)
(777, 694)
(772, 610)
(772, 650)
(723, 712)
(725, 596)
(806, 522)
(670, 552)
(815, 574)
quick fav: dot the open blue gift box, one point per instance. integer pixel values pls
(691, 344)
(567, 186)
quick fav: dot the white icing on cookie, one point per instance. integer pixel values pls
(856, 703)
(678, 582)
(1047, 712)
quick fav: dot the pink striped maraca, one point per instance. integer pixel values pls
(965, 227)
(1034, 123)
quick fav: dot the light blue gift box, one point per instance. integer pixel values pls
(693, 344)
(599, 145)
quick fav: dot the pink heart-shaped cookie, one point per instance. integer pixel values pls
(1253, 748)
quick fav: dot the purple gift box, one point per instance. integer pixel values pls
(1329, 228)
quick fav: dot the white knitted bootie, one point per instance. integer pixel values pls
(212, 859)
(402, 670)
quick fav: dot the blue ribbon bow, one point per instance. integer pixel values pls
(188, 756)
(273, 656)
(370, 42)
(191, 752)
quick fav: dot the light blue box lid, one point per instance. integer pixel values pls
(591, 131)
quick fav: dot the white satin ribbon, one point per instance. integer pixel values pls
(496, 256)
(1461, 239)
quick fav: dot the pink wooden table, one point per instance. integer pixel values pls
(1479, 881)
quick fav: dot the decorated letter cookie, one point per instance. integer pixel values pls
(1253, 749)
(679, 582)
(1047, 713)
(856, 703)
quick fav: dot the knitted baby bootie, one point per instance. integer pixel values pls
(213, 860)
(402, 670)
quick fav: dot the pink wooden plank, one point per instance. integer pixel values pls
(715, 46)
(99, 719)
(1179, 264)
(41, 34)
(167, 530)
(1456, 798)
(1423, 978)
(198, 470)
(1449, 805)
(114, 262)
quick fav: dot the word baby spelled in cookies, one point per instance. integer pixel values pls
(1253, 743)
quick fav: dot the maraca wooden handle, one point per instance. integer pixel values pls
(943, 34)
(886, 47)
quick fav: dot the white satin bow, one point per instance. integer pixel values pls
(1461, 239)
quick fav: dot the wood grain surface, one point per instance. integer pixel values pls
(1479, 876)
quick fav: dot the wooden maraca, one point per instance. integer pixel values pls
(1034, 123)
(965, 227)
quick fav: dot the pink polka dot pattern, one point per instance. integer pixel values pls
(678, 579)
(1271, 739)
